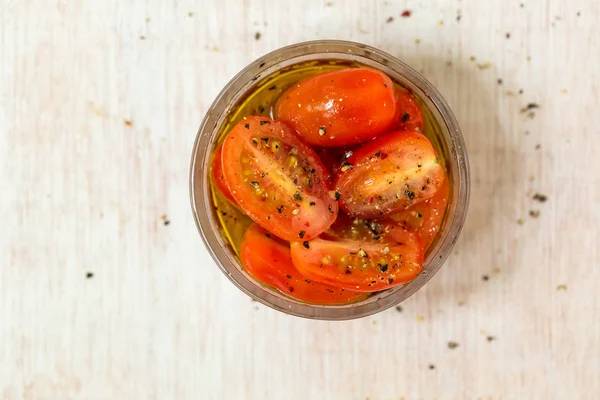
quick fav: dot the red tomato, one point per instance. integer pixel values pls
(389, 174)
(333, 158)
(425, 218)
(277, 180)
(408, 112)
(269, 261)
(217, 175)
(339, 108)
(380, 257)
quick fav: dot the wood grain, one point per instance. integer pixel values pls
(100, 102)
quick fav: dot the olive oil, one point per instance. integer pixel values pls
(261, 101)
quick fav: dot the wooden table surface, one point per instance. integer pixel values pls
(107, 292)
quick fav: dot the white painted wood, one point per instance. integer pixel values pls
(84, 192)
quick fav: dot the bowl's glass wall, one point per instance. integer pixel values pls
(446, 137)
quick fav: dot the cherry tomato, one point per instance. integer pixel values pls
(389, 174)
(277, 180)
(269, 261)
(408, 112)
(383, 256)
(339, 108)
(425, 218)
(218, 177)
(333, 158)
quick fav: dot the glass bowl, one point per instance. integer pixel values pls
(445, 136)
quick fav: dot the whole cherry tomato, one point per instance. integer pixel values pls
(339, 108)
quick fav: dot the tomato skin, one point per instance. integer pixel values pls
(217, 175)
(278, 180)
(268, 260)
(408, 112)
(389, 174)
(426, 217)
(339, 108)
(362, 265)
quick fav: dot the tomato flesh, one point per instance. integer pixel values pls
(425, 218)
(277, 180)
(218, 176)
(389, 174)
(339, 108)
(390, 257)
(268, 260)
(409, 116)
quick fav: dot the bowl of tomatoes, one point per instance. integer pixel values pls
(329, 180)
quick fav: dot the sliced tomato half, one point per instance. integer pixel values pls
(278, 180)
(268, 260)
(389, 174)
(425, 218)
(383, 256)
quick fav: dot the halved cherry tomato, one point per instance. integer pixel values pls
(269, 261)
(389, 174)
(339, 108)
(425, 218)
(390, 257)
(217, 175)
(277, 180)
(409, 116)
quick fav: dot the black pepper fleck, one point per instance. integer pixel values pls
(301, 234)
(89, 275)
(485, 278)
(306, 245)
(312, 203)
(540, 197)
(247, 126)
(297, 196)
(257, 35)
(405, 117)
(399, 309)
(452, 345)
(264, 122)
(272, 87)
(491, 338)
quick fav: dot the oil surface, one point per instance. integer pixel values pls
(261, 101)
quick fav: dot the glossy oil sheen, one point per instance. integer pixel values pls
(261, 101)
